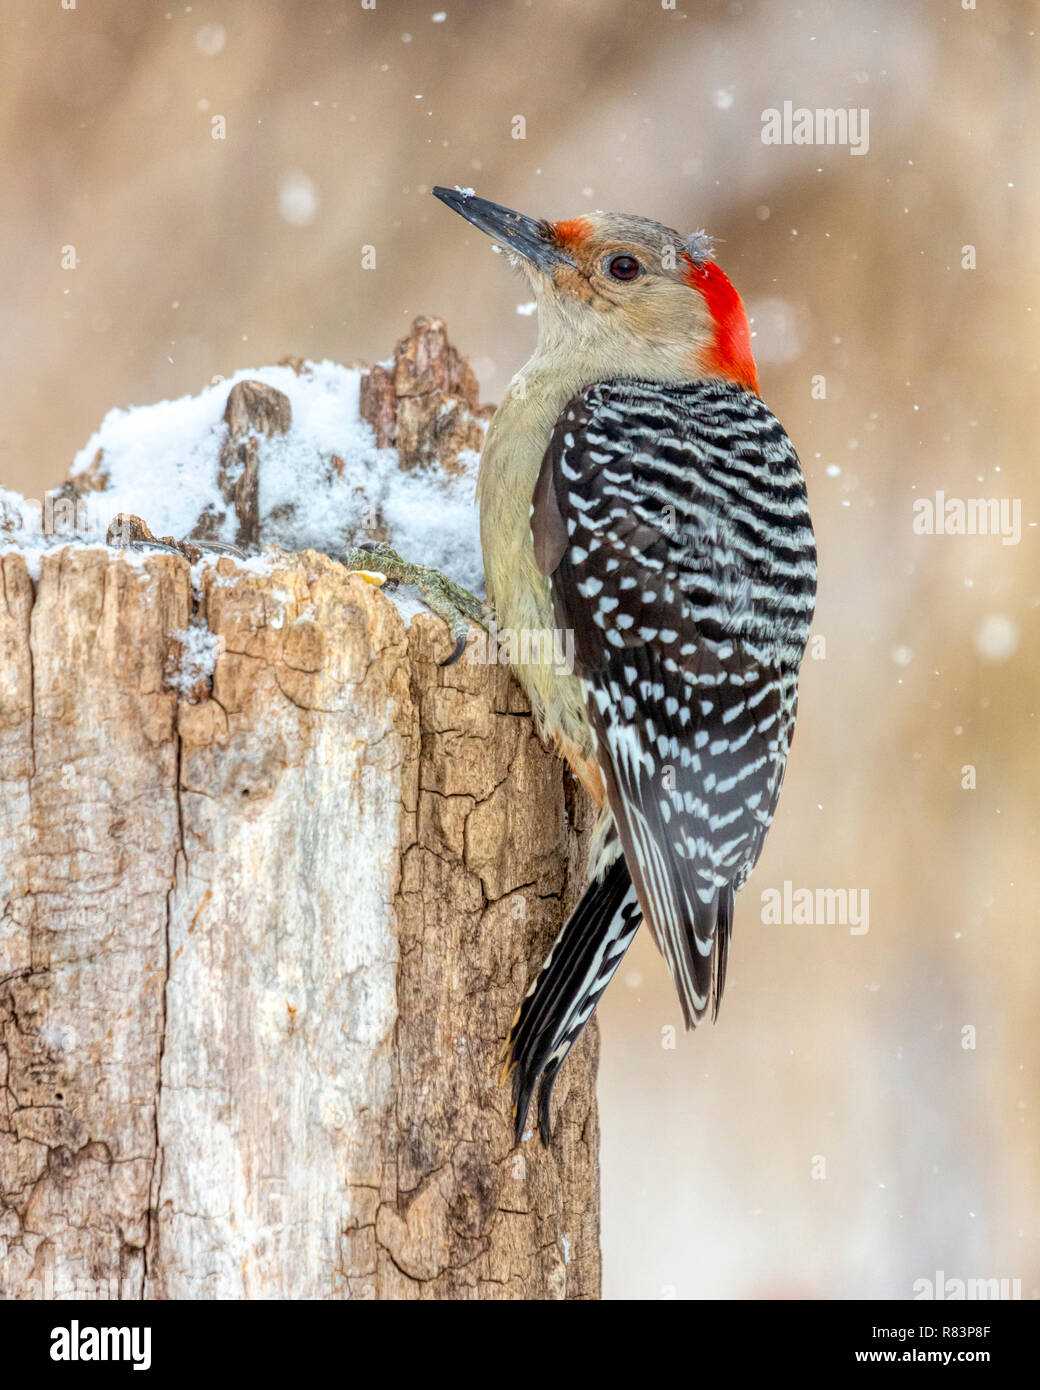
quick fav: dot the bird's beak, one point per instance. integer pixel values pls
(515, 232)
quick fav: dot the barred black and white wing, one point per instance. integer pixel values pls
(673, 525)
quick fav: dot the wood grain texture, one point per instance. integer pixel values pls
(426, 402)
(260, 945)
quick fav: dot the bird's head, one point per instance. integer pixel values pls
(623, 295)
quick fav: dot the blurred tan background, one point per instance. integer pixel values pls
(198, 256)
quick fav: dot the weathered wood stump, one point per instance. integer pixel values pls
(262, 931)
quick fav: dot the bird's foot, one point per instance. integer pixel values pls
(450, 601)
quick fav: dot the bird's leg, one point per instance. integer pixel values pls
(450, 601)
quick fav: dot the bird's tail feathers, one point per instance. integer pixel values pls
(562, 999)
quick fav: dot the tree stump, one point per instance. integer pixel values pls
(262, 933)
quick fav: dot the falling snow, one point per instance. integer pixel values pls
(996, 638)
(298, 200)
(211, 39)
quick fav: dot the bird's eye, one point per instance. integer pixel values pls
(624, 267)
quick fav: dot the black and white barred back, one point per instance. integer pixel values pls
(673, 524)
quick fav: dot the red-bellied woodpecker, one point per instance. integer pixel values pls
(637, 494)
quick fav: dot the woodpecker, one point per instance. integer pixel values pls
(637, 493)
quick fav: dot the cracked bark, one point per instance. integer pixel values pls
(259, 948)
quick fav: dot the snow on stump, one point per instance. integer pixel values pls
(273, 882)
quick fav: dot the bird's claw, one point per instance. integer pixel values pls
(443, 596)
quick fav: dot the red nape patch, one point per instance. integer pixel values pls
(730, 354)
(573, 232)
